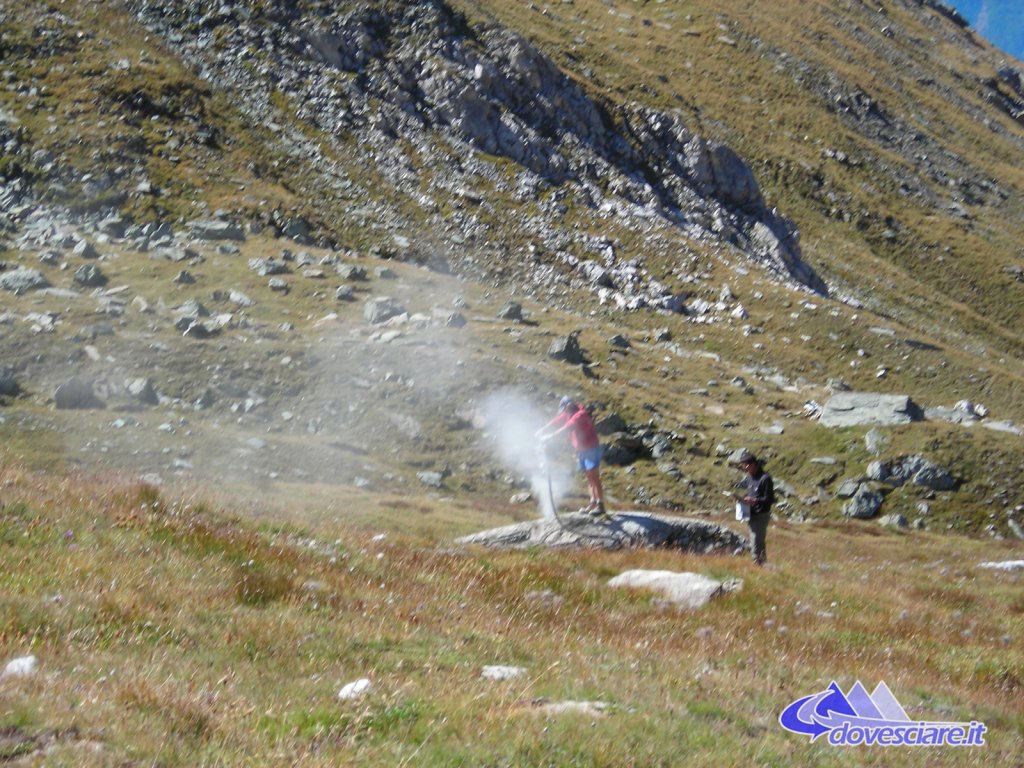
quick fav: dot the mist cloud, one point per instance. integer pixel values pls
(512, 421)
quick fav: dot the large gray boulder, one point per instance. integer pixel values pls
(8, 384)
(687, 590)
(90, 276)
(620, 530)
(513, 311)
(76, 393)
(217, 230)
(380, 309)
(934, 478)
(351, 272)
(864, 504)
(622, 449)
(851, 409)
(266, 267)
(916, 470)
(142, 390)
(22, 280)
(567, 349)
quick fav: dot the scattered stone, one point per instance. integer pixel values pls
(567, 349)
(142, 390)
(267, 267)
(893, 521)
(1004, 426)
(85, 250)
(874, 441)
(191, 308)
(1004, 565)
(216, 230)
(513, 311)
(177, 255)
(90, 276)
(619, 341)
(690, 591)
(610, 424)
(240, 299)
(385, 273)
(184, 278)
(448, 318)
(298, 229)
(278, 285)
(345, 293)
(878, 471)
(76, 393)
(432, 479)
(24, 666)
(971, 409)
(912, 469)
(499, 672)
(864, 504)
(355, 689)
(22, 280)
(351, 272)
(850, 409)
(381, 309)
(8, 383)
(623, 449)
(113, 226)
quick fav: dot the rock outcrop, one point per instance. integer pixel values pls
(620, 530)
(378, 70)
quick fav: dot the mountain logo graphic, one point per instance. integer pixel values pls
(877, 718)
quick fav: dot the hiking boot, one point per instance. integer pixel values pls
(587, 510)
(597, 510)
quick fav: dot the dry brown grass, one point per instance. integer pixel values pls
(152, 645)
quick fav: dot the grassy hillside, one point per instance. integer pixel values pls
(167, 632)
(838, 107)
(291, 548)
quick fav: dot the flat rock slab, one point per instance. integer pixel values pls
(687, 590)
(620, 530)
(1005, 565)
(851, 409)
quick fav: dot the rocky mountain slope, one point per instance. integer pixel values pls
(296, 245)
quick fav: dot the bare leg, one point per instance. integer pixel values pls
(594, 484)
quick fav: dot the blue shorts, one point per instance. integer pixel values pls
(590, 458)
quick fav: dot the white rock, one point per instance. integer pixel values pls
(689, 590)
(499, 672)
(586, 708)
(1005, 565)
(24, 666)
(354, 689)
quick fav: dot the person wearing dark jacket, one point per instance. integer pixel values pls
(760, 497)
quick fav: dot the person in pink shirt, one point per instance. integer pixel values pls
(573, 417)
